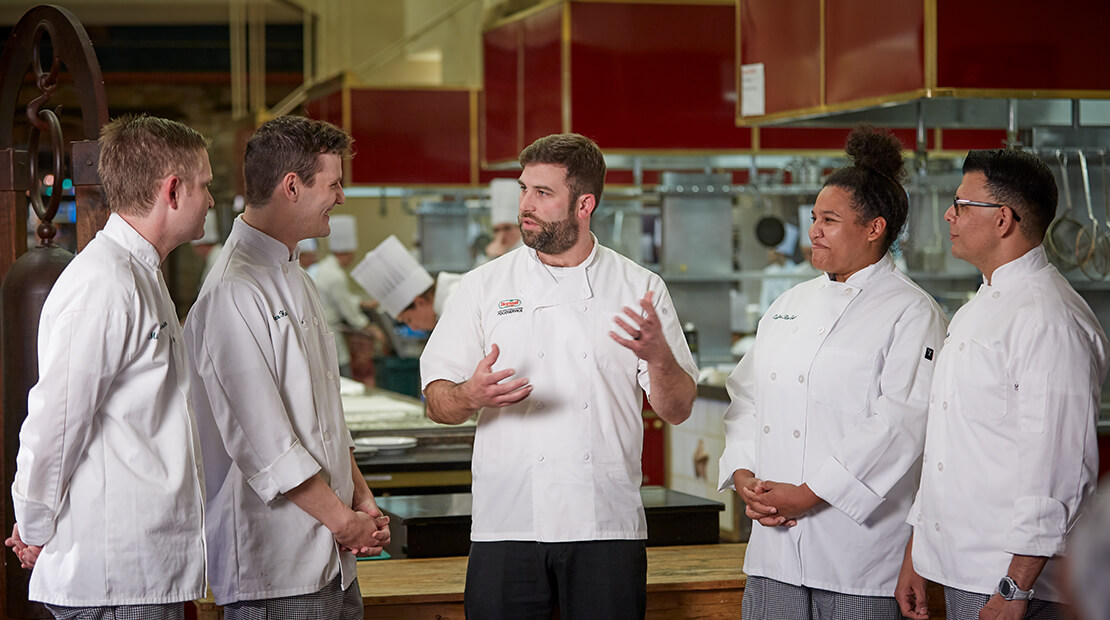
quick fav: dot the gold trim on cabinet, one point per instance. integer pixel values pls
(474, 138)
(565, 48)
(930, 43)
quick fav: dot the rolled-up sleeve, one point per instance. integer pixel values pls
(1060, 377)
(236, 382)
(740, 422)
(878, 451)
(80, 354)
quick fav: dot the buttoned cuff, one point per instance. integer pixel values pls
(1038, 528)
(286, 473)
(834, 484)
(35, 519)
(733, 459)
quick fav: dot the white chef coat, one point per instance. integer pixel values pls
(108, 477)
(446, 285)
(563, 464)
(1011, 452)
(834, 394)
(266, 394)
(340, 305)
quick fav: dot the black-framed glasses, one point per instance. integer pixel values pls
(960, 202)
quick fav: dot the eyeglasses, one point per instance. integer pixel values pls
(960, 202)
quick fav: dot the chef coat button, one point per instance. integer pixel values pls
(774, 376)
(920, 518)
(664, 311)
(996, 295)
(586, 456)
(801, 379)
(936, 526)
(539, 457)
(797, 434)
(540, 405)
(330, 375)
(946, 339)
(327, 436)
(540, 354)
(820, 330)
(794, 330)
(962, 345)
(766, 429)
(284, 269)
(847, 291)
(940, 466)
(944, 405)
(585, 405)
(932, 397)
(583, 355)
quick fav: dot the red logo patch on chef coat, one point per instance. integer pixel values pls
(509, 306)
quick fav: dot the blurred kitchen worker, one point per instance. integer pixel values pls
(528, 344)
(780, 261)
(823, 436)
(341, 307)
(504, 201)
(308, 258)
(208, 246)
(108, 491)
(1011, 452)
(286, 503)
(403, 288)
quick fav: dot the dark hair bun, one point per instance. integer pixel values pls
(876, 150)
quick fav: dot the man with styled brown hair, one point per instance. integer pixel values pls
(108, 491)
(287, 506)
(553, 346)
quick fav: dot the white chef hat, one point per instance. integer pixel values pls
(344, 235)
(211, 230)
(392, 276)
(504, 201)
(307, 245)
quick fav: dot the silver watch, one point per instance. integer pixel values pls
(1011, 592)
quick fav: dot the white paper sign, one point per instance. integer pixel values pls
(751, 90)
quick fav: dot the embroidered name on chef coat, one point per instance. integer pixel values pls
(156, 331)
(784, 317)
(509, 306)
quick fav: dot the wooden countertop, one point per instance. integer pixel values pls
(697, 567)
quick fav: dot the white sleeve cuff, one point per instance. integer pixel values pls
(285, 474)
(35, 519)
(1039, 527)
(736, 456)
(834, 484)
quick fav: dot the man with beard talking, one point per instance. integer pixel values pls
(553, 346)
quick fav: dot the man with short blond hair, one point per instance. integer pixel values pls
(108, 493)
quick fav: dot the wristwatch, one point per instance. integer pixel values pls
(1011, 592)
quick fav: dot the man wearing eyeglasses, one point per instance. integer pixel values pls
(1010, 451)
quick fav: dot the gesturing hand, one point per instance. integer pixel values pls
(484, 388)
(646, 332)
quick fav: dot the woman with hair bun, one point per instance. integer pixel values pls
(825, 430)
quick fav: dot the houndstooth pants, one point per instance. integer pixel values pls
(330, 603)
(964, 605)
(768, 599)
(169, 611)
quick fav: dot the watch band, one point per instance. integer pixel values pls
(1010, 591)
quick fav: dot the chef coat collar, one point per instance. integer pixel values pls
(584, 264)
(117, 229)
(860, 278)
(1018, 269)
(270, 247)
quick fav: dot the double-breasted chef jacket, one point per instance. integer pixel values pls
(834, 394)
(1012, 448)
(109, 476)
(563, 464)
(266, 394)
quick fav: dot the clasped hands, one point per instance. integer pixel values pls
(367, 531)
(27, 554)
(773, 504)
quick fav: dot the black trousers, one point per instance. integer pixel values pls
(602, 580)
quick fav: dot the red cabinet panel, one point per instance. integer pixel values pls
(785, 36)
(968, 139)
(1023, 44)
(411, 136)
(655, 76)
(328, 108)
(543, 74)
(500, 126)
(876, 56)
